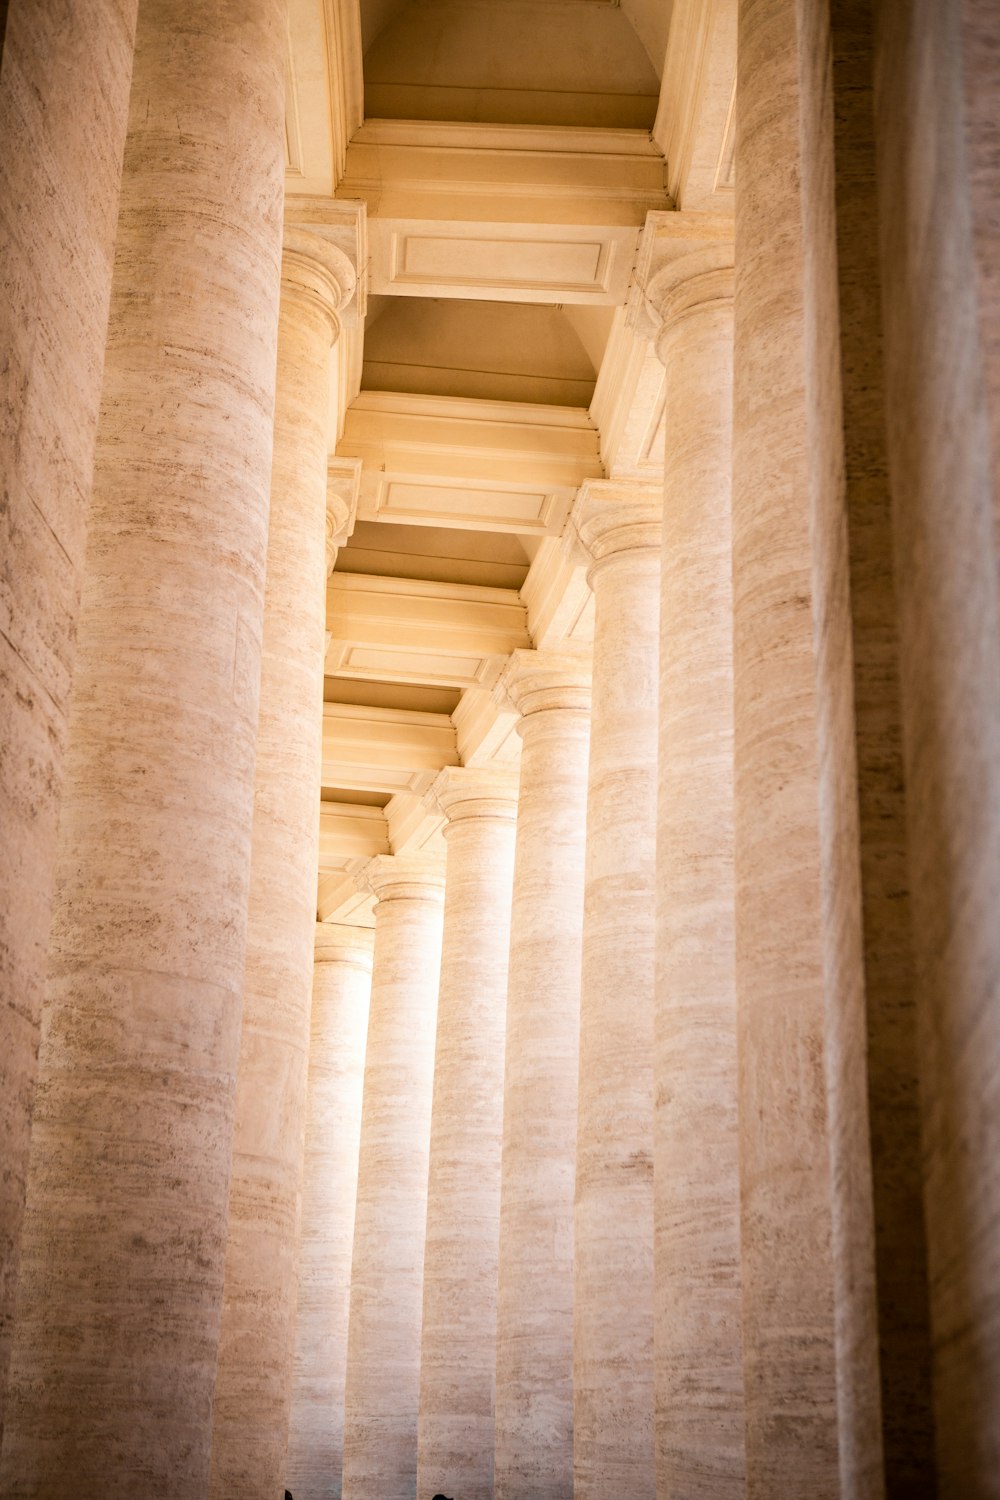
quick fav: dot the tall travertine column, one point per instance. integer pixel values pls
(458, 1335)
(699, 1376)
(619, 526)
(534, 1378)
(793, 973)
(936, 76)
(253, 1385)
(124, 1242)
(63, 110)
(339, 1026)
(387, 1269)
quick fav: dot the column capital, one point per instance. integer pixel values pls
(611, 516)
(535, 681)
(317, 274)
(474, 792)
(343, 487)
(338, 942)
(402, 877)
(685, 266)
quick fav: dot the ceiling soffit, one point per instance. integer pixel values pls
(469, 212)
(475, 465)
(511, 61)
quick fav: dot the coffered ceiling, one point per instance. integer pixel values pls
(493, 166)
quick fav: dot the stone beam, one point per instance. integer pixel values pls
(383, 749)
(409, 630)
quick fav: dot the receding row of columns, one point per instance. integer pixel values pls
(757, 1341)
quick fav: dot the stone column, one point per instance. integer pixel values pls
(253, 1385)
(534, 1378)
(699, 1376)
(339, 1026)
(458, 1337)
(936, 71)
(124, 1242)
(387, 1270)
(63, 109)
(783, 614)
(619, 526)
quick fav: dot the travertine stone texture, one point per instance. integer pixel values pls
(121, 1283)
(699, 1375)
(880, 1260)
(787, 1228)
(619, 526)
(63, 110)
(458, 1335)
(339, 1026)
(387, 1271)
(253, 1384)
(534, 1375)
(936, 89)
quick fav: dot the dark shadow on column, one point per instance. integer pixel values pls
(904, 1343)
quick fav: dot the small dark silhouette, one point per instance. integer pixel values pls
(288, 1495)
(441, 1497)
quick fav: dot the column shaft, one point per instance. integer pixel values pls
(383, 1344)
(253, 1386)
(936, 83)
(121, 1284)
(63, 111)
(458, 1337)
(613, 1280)
(800, 981)
(534, 1378)
(699, 1377)
(339, 1026)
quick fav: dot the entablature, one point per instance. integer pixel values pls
(476, 465)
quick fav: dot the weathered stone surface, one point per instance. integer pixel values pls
(387, 1272)
(699, 1375)
(619, 525)
(937, 76)
(458, 1350)
(253, 1384)
(788, 1294)
(114, 1360)
(63, 111)
(534, 1378)
(339, 1027)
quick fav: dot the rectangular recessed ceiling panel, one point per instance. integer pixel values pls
(499, 509)
(515, 264)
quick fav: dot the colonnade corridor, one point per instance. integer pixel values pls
(499, 750)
